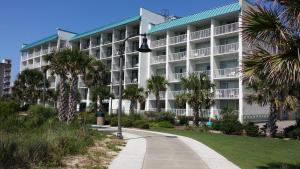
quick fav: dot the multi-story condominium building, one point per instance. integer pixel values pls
(207, 42)
(5, 76)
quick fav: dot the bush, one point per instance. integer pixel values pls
(142, 124)
(38, 114)
(114, 121)
(165, 124)
(251, 129)
(229, 124)
(8, 108)
(127, 122)
(166, 116)
(292, 132)
(184, 120)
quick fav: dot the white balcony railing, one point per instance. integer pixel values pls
(177, 76)
(207, 72)
(205, 113)
(24, 57)
(173, 94)
(226, 73)
(37, 53)
(133, 80)
(30, 55)
(201, 34)
(158, 59)
(158, 43)
(202, 52)
(132, 65)
(154, 109)
(228, 48)
(45, 51)
(223, 29)
(162, 95)
(179, 112)
(177, 56)
(232, 93)
(178, 39)
(131, 49)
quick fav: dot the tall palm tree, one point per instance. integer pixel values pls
(277, 97)
(198, 93)
(97, 78)
(58, 66)
(155, 85)
(272, 29)
(28, 87)
(134, 94)
(77, 63)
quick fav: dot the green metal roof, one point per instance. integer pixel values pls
(47, 39)
(103, 28)
(196, 17)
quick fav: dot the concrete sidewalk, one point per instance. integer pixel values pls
(155, 150)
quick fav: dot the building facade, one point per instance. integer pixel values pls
(5, 76)
(207, 42)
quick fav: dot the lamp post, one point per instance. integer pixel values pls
(144, 48)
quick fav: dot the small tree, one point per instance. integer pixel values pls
(155, 85)
(134, 94)
(28, 87)
(198, 93)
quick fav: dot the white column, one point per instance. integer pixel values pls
(212, 60)
(167, 69)
(240, 71)
(188, 49)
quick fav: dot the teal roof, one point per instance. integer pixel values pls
(103, 28)
(47, 39)
(196, 17)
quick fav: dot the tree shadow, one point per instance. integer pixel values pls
(280, 166)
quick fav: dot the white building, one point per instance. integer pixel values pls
(5, 76)
(209, 41)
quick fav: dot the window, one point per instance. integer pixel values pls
(228, 64)
(202, 67)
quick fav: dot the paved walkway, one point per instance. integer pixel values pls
(164, 152)
(155, 150)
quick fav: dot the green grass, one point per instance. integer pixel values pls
(248, 152)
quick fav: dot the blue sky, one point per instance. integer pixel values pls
(27, 21)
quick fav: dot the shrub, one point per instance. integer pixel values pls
(8, 108)
(229, 124)
(127, 122)
(184, 120)
(165, 124)
(114, 121)
(39, 151)
(216, 125)
(251, 129)
(142, 124)
(38, 114)
(292, 132)
(166, 116)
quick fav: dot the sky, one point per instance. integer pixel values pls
(26, 21)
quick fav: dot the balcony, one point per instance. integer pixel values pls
(172, 94)
(116, 67)
(177, 76)
(106, 55)
(225, 49)
(198, 53)
(131, 49)
(158, 43)
(201, 34)
(52, 49)
(207, 72)
(225, 29)
(226, 73)
(177, 56)
(162, 95)
(116, 82)
(232, 93)
(205, 113)
(133, 33)
(133, 80)
(132, 65)
(45, 51)
(178, 39)
(37, 53)
(30, 55)
(106, 41)
(158, 59)
(24, 57)
(95, 43)
(179, 112)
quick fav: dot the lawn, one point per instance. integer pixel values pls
(248, 152)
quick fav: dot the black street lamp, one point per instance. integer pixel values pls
(144, 48)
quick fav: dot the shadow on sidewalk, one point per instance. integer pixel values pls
(279, 166)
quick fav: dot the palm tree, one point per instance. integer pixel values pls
(58, 66)
(134, 94)
(77, 63)
(155, 85)
(279, 99)
(272, 29)
(198, 93)
(96, 78)
(28, 86)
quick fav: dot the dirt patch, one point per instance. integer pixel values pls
(98, 156)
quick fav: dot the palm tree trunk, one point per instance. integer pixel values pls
(196, 116)
(62, 103)
(73, 100)
(271, 124)
(132, 104)
(157, 102)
